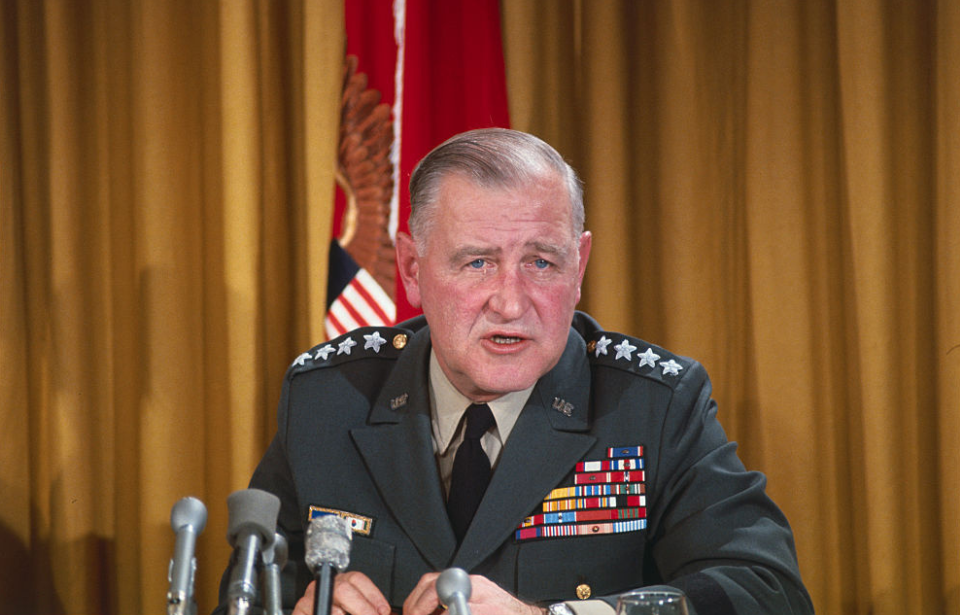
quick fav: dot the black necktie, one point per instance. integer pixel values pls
(471, 470)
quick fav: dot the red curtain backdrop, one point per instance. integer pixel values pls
(452, 77)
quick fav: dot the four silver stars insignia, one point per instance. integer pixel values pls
(648, 358)
(372, 341)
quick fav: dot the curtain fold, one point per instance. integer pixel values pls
(167, 172)
(772, 190)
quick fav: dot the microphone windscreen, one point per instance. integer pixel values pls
(188, 511)
(451, 582)
(252, 509)
(328, 542)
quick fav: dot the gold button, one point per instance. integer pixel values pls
(583, 591)
(399, 341)
(591, 345)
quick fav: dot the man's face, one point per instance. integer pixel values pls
(498, 280)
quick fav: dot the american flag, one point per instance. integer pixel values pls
(356, 299)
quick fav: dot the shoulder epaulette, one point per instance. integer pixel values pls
(636, 356)
(361, 343)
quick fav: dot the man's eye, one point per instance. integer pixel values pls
(478, 263)
(541, 263)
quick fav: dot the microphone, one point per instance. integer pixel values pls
(274, 559)
(327, 551)
(188, 517)
(454, 588)
(253, 521)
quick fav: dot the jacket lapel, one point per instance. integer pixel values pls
(397, 447)
(550, 436)
(543, 448)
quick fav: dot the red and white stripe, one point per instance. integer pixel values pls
(361, 304)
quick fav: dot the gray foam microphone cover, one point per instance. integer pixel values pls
(253, 509)
(328, 542)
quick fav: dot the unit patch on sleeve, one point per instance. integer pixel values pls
(608, 497)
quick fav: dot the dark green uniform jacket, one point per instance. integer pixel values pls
(354, 437)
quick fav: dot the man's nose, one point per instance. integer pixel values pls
(509, 298)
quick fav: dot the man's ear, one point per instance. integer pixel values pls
(586, 241)
(408, 264)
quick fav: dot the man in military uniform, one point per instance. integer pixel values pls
(506, 434)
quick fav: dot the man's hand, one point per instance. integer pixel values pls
(486, 598)
(353, 593)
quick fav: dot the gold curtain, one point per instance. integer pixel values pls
(772, 185)
(774, 189)
(167, 171)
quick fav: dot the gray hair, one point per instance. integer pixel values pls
(491, 158)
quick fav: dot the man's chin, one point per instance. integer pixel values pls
(502, 384)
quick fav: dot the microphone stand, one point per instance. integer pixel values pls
(323, 596)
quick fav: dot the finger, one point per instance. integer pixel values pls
(488, 598)
(355, 593)
(423, 599)
(304, 605)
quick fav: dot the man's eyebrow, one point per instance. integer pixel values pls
(548, 248)
(464, 251)
(472, 251)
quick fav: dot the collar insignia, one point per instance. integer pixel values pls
(562, 406)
